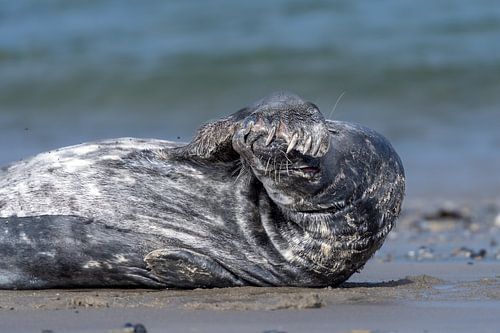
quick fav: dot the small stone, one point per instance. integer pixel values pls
(497, 221)
(469, 253)
(425, 253)
(474, 227)
(462, 252)
(139, 328)
(450, 212)
(422, 253)
(479, 255)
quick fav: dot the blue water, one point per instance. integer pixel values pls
(424, 73)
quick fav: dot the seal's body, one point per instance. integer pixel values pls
(273, 195)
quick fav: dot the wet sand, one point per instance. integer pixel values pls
(438, 272)
(385, 297)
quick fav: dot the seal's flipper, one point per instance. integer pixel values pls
(281, 115)
(213, 141)
(189, 269)
(295, 127)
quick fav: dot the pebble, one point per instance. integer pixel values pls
(131, 328)
(139, 328)
(469, 253)
(422, 253)
(497, 221)
(474, 227)
(449, 212)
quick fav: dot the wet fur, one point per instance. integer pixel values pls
(215, 212)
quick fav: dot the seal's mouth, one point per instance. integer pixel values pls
(272, 160)
(308, 170)
(303, 165)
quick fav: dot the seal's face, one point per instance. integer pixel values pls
(290, 154)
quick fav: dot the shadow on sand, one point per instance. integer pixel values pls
(383, 284)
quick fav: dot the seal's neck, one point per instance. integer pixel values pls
(325, 243)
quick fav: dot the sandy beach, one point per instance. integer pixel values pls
(425, 74)
(385, 297)
(439, 271)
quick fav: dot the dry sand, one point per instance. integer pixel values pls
(431, 276)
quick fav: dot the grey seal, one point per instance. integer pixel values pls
(272, 195)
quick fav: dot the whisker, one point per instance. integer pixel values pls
(242, 170)
(267, 166)
(336, 103)
(279, 173)
(275, 170)
(237, 168)
(286, 155)
(238, 177)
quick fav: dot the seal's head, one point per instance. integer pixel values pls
(288, 145)
(343, 175)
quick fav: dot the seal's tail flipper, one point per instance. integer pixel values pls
(189, 269)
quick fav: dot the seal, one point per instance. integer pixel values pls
(272, 195)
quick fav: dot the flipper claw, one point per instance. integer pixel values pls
(292, 143)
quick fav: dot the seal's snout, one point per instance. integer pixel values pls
(307, 134)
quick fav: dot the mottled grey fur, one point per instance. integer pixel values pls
(273, 195)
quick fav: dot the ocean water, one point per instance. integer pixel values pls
(424, 73)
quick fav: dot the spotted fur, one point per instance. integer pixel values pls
(272, 195)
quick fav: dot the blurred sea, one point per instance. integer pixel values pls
(424, 73)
